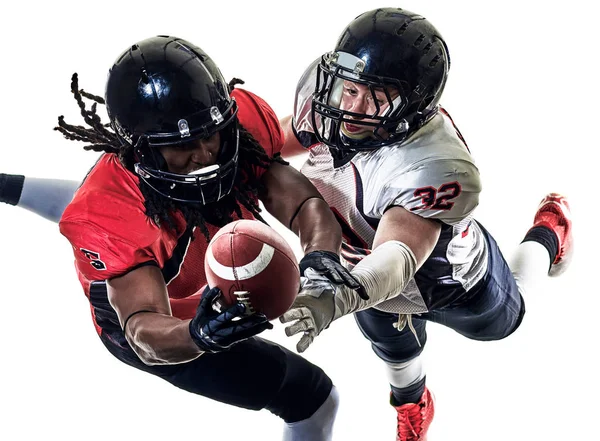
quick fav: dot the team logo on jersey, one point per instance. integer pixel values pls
(94, 259)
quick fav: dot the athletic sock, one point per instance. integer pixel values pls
(409, 394)
(546, 237)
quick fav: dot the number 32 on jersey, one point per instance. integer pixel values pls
(437, 198)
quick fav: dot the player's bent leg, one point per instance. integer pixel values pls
(401, 351)
(492, 309)
(387, 342)
(272, 378)
(411, 399)
(45, 197)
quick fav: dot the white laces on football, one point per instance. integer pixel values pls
(403, 320)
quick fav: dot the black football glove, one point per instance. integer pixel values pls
(214, 331)
(327, 264)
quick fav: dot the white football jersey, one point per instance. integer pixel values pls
(431, 174)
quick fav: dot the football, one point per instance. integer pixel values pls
(251, 263)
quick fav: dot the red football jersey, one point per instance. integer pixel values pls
(111, 235)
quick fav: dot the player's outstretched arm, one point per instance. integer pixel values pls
(141, 301)
(45, 197)
(294, 201)
(402, 243)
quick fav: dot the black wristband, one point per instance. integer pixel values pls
(11, 187)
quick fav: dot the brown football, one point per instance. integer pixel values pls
(251, 263)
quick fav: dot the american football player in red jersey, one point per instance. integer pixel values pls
(373, 122)
(401, 181)
(185, 154)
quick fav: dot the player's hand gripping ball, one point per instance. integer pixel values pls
(253, 264)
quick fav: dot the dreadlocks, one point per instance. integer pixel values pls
(245, 191)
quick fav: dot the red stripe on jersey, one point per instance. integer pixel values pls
(445, 112)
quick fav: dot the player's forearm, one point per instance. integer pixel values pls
(161, 339)
(317, 227)
(383, 275)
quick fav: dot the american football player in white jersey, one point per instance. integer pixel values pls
(400, 179)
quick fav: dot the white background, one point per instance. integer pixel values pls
(522, 89)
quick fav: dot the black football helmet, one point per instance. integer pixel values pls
(167, 91)
(387, 49)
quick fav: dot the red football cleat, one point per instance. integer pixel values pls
(555, 214)
(414, 419)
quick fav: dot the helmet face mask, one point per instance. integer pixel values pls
(162, 92)
(206, 185)
(403, 62)
(384, 123)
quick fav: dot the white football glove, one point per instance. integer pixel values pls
(383, 274)
(312, 311)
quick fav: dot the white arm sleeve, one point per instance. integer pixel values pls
(384, 273)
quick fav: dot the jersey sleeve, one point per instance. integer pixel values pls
(302, 123)
(100, 254)
(106, 224)
(444, 189)
(258, 118)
